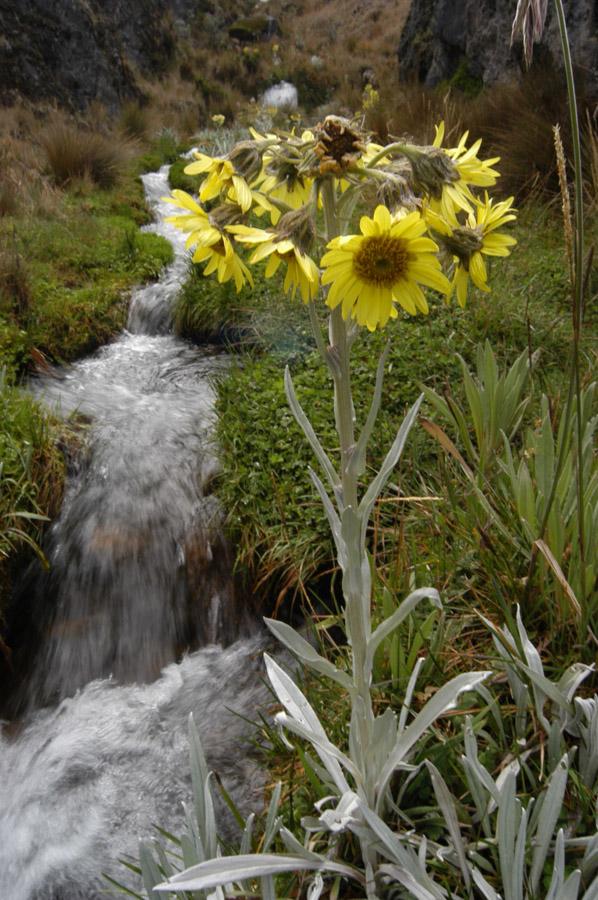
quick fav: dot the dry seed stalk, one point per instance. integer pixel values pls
(565, 198)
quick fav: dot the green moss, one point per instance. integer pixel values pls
(251, 28)
(80, 270)
(179, 180)
(464, 80)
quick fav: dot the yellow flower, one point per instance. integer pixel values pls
(282, 179)
(221, 179)
(302, 272)
(470, 170)
(369, 273)
(218, 119)
(476, 239)
(212, 244)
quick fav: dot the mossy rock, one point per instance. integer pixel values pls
(254, 28)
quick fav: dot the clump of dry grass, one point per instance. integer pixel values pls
(74, 153)
(133, 120)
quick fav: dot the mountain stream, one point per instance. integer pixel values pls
(139, 574)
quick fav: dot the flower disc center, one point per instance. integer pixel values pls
(381, 260)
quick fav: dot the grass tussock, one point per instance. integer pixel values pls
(73, 153)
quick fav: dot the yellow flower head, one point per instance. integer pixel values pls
(385, 265)
(302, 272)
(469, 170)
(221, 178)
(212, 244)
(469, 243)
(282, 178)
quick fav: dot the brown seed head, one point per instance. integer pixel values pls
(338, 145)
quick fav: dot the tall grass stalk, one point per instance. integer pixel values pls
(577, 297)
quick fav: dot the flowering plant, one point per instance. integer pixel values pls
(427, 228)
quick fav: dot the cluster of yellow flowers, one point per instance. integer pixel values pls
(426, 213)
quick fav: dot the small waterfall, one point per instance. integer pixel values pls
(84, 782)
(139, 573)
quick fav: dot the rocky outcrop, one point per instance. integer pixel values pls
(469, 39)
(77, 51)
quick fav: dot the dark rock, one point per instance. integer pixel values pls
(76, 52)
(470, 38)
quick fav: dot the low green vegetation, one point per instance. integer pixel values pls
(274, 513)
(65, 278)
(31, 474)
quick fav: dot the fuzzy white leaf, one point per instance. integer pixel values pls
(308, 430)
(443, 700)
(306, 653)
(408, 881)
(551, 808)
(216, 872)
(390, 461)
(447, 806)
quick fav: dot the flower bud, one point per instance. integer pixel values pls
(462, 243)
(432, 169)
(246, 157)
(297, 226)
(226, 214)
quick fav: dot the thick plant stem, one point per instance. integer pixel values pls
(356, 577)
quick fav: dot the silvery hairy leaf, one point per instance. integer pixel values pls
(443, 700)
(304, 651)
(406, 707)
(552, 801)
(150, 872)
(587, 726)
(447, 806)
(308, 431)
(404, 877)
(314, 892)
(202, 794)
(247, 836)
(225, 869)
(357, 464)
(272, 819)
(343, 815)
(390, 461)
(296, 848)
(483, 886)
(333, 519)
(303, 721)
(389, 845)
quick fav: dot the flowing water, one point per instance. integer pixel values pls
(139, 573)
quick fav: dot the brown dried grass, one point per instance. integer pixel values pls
(73, 153)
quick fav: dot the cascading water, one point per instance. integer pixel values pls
(139, 572)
